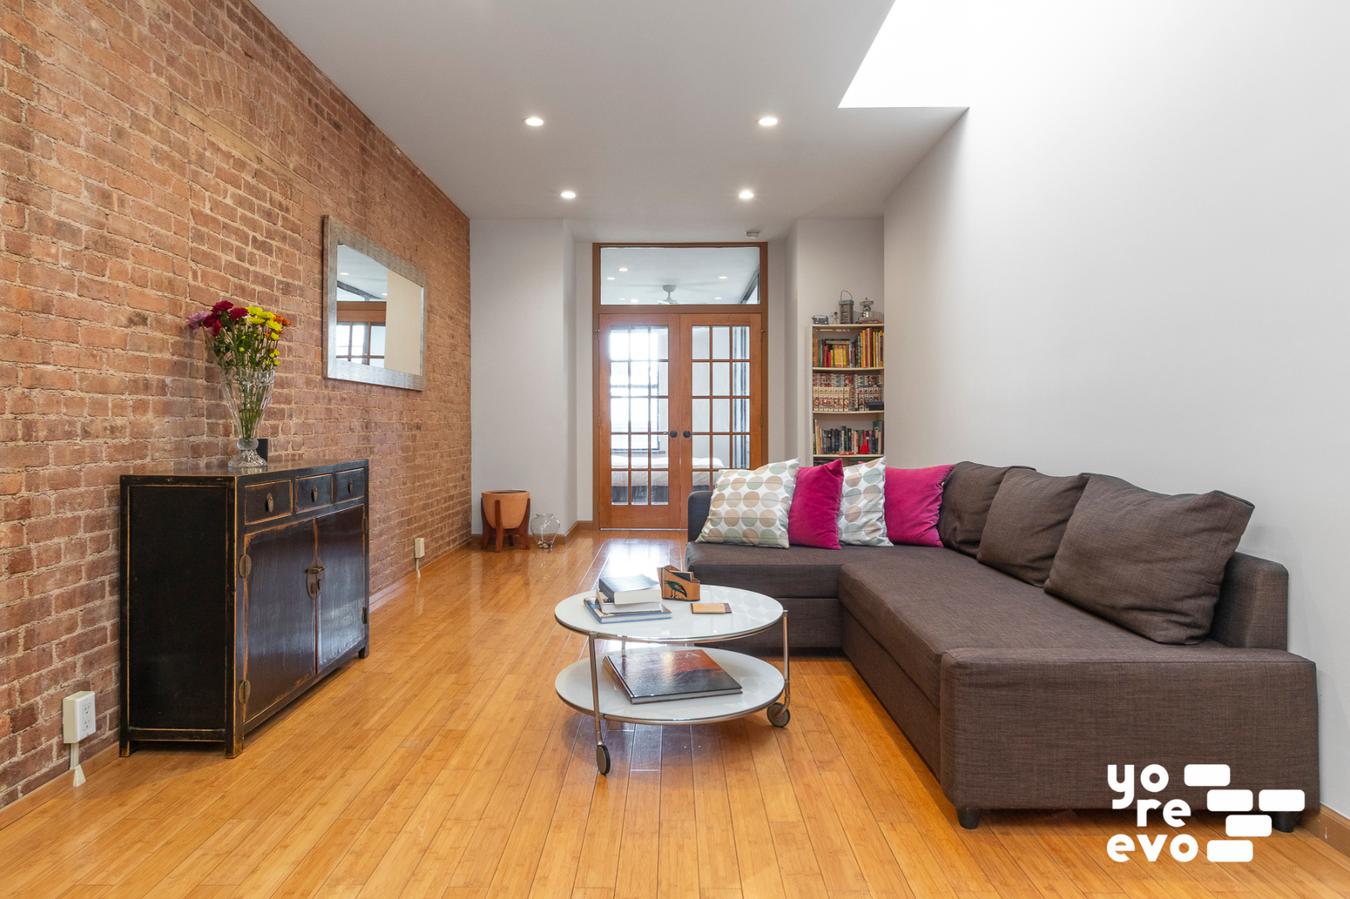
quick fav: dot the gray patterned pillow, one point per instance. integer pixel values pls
(751, 507)
(862, 508)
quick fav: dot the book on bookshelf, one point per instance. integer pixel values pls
(861, 350)
(848, 441)
(661, 675)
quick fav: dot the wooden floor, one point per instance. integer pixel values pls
(444, 765)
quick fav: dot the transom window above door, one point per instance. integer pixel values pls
(727, 275)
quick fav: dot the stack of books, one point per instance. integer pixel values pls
(662, 675)
(631, 598)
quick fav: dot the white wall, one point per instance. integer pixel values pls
(1132, 256)
(583, 343)
(523, 421)
(826, 255)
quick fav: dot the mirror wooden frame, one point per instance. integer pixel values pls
(337, 233)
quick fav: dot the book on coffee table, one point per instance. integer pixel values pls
(608, 612)
(626, 589)
(661, 675)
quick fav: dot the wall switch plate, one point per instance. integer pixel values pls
(419, 547)
(77, 716)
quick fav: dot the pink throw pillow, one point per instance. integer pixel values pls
(813, 519)
(913, 501)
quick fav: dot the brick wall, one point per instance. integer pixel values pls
(155, 156)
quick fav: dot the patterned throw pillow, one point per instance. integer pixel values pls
(751, 507)
(862, 509)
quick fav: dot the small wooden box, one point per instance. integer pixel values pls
(678, 585)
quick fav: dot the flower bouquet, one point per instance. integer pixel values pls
(243, 340)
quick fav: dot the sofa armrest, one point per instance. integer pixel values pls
(699, 501)
(1038, 728)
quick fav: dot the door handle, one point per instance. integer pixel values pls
(687, 434)
(674, 434)
(314, 580)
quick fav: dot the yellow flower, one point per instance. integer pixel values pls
(253, 310)
(274, 325)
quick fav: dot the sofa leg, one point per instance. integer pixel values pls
(1284, 822)
(968, 817)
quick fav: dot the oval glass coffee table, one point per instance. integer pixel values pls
(763, 686)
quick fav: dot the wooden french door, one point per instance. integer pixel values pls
(679, 396)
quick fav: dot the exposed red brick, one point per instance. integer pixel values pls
(155, 157)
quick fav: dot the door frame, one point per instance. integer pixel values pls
(600, 454)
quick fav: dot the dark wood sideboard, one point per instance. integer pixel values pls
(240, 590)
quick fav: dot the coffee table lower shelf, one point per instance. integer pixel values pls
(761, 686)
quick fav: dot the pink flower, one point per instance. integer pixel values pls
(196, 319)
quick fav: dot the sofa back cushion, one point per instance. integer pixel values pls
(813, 519)
(1147, 561)
(1026, 522)
(913, 503)
(966, 498)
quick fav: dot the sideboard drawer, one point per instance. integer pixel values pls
(263, 502)
(350, 484)
(313, 492)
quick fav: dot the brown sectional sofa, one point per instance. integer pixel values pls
(1018, 699)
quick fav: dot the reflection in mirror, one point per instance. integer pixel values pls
(679, 275)
(375, 312)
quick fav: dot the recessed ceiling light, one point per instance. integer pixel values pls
(746, 194)
(768, 121)
(721, 277)
(717, 298)
(633, 300)
(623, 268)
(344, 274)
(609, 277)
(534, 121)
(568, 195)
(385, 294)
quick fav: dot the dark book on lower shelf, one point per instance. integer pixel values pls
(661, 675)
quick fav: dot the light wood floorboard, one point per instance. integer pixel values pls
(444, 765)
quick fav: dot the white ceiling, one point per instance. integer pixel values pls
(650, 106)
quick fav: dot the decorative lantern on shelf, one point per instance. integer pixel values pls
(866, 310)
(845, 308)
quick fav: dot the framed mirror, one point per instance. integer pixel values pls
(375, 313)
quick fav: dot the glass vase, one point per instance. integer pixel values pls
(546, 528)
(247, 393)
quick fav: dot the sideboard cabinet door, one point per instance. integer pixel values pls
(342, 595)
(279, 615)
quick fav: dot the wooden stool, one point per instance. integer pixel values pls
(506, 514)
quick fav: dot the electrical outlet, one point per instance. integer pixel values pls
(419, 547)
(77, 716)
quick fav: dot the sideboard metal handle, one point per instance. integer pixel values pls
(270, 503)
(314, 494)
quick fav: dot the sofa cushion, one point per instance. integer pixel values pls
(920, 603)
(1149, 562)
(1026, 521)
(813, 519)
(862, 505)
(913, 502)
(966, 498)
(751, 507)
(799, 571)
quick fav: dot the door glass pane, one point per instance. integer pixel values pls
(638, 490)
(618, 344)
(741, 378)
(740, 342)
(699, 344)
(702, 450)
(702, 479)
(377, 340)
(641, 410)
(618, 415)
(618, 377)
(700, 416)
(740, 415)
(701, 383)
(639, 344)
(721, 451)
(721, 415)
(618, 493)
(740, 455)
(663, 378)
(721, 379)
(660, 491)
(661, 452)
(660, 416)
(721, 343)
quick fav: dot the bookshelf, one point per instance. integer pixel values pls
(848, 369)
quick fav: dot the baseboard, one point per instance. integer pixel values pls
(382, 595)
(1331, 827)
(580, 524)
(56, 786)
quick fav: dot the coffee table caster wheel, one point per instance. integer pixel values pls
(602, 758)
(779, 715)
